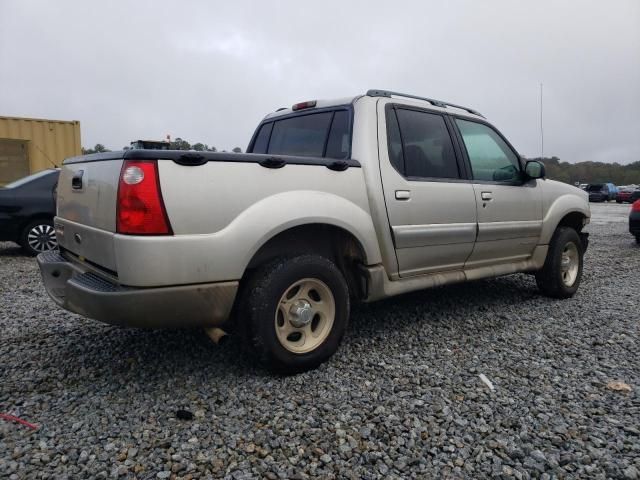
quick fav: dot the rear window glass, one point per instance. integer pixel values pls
(30, 178)
(323, 134)
(595, 188)
(304, 136)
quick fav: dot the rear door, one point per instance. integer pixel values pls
(430, 205)
(509, 209)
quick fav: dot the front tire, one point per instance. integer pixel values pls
(562, 271)
(295, 311)
(38, 236)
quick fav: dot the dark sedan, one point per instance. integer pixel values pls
(634, 221)
(27, 208)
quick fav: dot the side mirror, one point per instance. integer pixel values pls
(534, 169)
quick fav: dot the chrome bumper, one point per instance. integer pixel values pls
(79, 290)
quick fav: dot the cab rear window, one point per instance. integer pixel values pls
(323, 134)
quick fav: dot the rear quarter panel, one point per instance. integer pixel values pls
(221, 213)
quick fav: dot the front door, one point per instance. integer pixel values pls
(430, 205)
(509, 208)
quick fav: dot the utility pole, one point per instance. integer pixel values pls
(541, 129)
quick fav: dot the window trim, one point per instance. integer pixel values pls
(302, 113)
(463, 175)
(467, 160)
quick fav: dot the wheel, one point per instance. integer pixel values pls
(618, 201)
(560, 276)
(295, 312)
(38, 236)
(638, 239)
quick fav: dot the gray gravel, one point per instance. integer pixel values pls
(402, 398)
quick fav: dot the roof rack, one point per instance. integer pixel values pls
(435, 103)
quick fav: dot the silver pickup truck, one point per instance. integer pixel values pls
(355, 199)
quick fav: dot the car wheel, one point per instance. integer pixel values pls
(296, 311)
(562, 271)
(38, 236)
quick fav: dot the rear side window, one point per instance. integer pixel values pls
(426, 148)
(339, 138)
(323, 134)
(262, 139)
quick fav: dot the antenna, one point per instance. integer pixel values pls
(541, 129)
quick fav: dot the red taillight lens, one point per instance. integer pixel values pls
(636, 206)
(140, 208)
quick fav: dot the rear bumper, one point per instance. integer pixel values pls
(75, 288)
(634, 223)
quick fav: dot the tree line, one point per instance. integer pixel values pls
(591, 172)
(177, 144)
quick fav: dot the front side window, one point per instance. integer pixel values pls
(490, 157)
(419, 144)
(323, 134)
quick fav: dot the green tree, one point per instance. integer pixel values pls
(98, 148)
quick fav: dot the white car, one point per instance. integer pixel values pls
(356, 199)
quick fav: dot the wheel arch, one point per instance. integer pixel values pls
(329, 240)
(568, 210)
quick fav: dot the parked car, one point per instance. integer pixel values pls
(27, 208)
(624, 195)
(601, 192)
(356, 199)
(635, 195)
(634, 220)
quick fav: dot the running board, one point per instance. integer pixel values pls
(379, 286)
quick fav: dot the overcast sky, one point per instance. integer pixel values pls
(209, 71)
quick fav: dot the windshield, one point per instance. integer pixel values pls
(30, 178)
(594, 188)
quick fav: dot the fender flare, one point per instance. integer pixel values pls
(560, 208)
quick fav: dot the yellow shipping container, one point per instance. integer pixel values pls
(28, 145)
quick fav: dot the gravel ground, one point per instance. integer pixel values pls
(402, 397)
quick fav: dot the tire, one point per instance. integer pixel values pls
(555, 280)
(638, 239)
(286, 310)
(38, 236)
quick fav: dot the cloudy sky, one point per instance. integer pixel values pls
(209, 71)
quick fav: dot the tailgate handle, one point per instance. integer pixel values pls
(76, 180)
(272, 162)
(191, 159)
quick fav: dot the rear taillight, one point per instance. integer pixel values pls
(636, 206)
(140, 208)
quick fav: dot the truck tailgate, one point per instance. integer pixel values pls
(87, 202)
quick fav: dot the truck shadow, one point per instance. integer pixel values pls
(135, 356)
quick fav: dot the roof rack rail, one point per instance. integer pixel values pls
(435, 103)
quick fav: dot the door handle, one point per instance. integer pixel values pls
(76, 180)
(403, 194)
(486, 196)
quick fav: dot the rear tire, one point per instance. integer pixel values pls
(295, 312)
(38, 236)
(562, 271)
